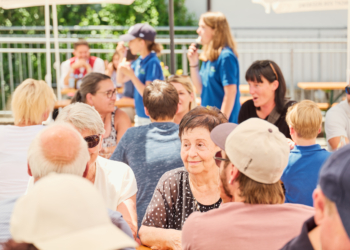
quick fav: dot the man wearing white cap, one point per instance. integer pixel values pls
(253, 214)
(70, 217)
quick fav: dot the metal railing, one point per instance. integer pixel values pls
(300, 59)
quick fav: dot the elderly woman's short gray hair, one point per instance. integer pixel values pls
(83, 117)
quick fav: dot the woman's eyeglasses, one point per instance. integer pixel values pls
(109, 93)
(218, 158)
(347, 90)
(92, 140)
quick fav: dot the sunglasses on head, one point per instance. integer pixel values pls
(347, 90)
(92, 140)
(218, 158)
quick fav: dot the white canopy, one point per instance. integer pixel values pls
(287, 6)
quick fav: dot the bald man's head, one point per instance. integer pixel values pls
(58, 148)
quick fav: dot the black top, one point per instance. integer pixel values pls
(248, 110)
(302, 241)
(173, 201)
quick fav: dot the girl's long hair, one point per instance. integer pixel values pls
(221, 39)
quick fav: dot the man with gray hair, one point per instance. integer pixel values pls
(58, 148)
(114, 180)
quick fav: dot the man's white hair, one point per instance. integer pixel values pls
(83, 117)
(41, 165)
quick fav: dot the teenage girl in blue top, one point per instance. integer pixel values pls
(218, 78)
(143, 70)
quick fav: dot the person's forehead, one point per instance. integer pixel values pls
(82, 47)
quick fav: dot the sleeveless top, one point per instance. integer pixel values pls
(111, 140)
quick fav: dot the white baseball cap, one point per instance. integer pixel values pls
(255, 147)
(64, 211)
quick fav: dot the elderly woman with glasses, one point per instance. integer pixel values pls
(115, 180)
(98, 91)
(182, 191)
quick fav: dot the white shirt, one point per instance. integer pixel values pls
(99, 67)
(14, 144)
(114, 180)
(338, 121)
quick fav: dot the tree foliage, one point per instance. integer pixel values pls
(154, 12)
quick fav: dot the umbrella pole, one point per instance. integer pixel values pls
(47, 35)
(172, 44)
(57, 53)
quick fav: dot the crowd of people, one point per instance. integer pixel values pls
(215, 176)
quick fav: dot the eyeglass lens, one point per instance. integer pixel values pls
(218, 155)
(92, 140)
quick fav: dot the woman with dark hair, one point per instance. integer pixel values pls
(268, 89)
(184, 190)
(98, 91)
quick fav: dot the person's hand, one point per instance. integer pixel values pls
(79, 64)
(192, 55)
(290, 143)
(121, 49)
(125, 69)
(110, 67)
(174, 241)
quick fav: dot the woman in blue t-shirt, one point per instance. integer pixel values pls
(143, 70)
(218, 78)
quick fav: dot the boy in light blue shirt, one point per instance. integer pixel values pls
(306, 158)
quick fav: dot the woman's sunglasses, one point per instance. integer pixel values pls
(92, 140)
(347, 90)
(218, 158)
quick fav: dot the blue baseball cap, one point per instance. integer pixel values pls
(140, 30)
(335, 183)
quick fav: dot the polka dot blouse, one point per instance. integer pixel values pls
(173, 201)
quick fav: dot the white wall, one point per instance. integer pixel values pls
(243, 13)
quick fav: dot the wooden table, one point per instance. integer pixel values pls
(244, 88)
(331, 86)
(143, 248)
(122, 103)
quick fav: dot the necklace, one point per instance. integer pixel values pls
(196, 206)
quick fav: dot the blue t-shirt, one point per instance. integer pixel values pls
(147, 69)
(150, 151)
(301, 174)
(215, 76)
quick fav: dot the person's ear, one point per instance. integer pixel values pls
(146, 112)
(193, 99)
(100, 144)
(232, 174)
(319, 205)
(46, 115)
(291, 129)
(29, 170)
(89, 99)
(275, 85)
(319, 130)
(86, 170)
(74, 53)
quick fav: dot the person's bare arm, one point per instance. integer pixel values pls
(66, 78)
(121, 123)
(229, 99)
(334, 142)
(128, 209)
(159, 238)
(193, 56)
